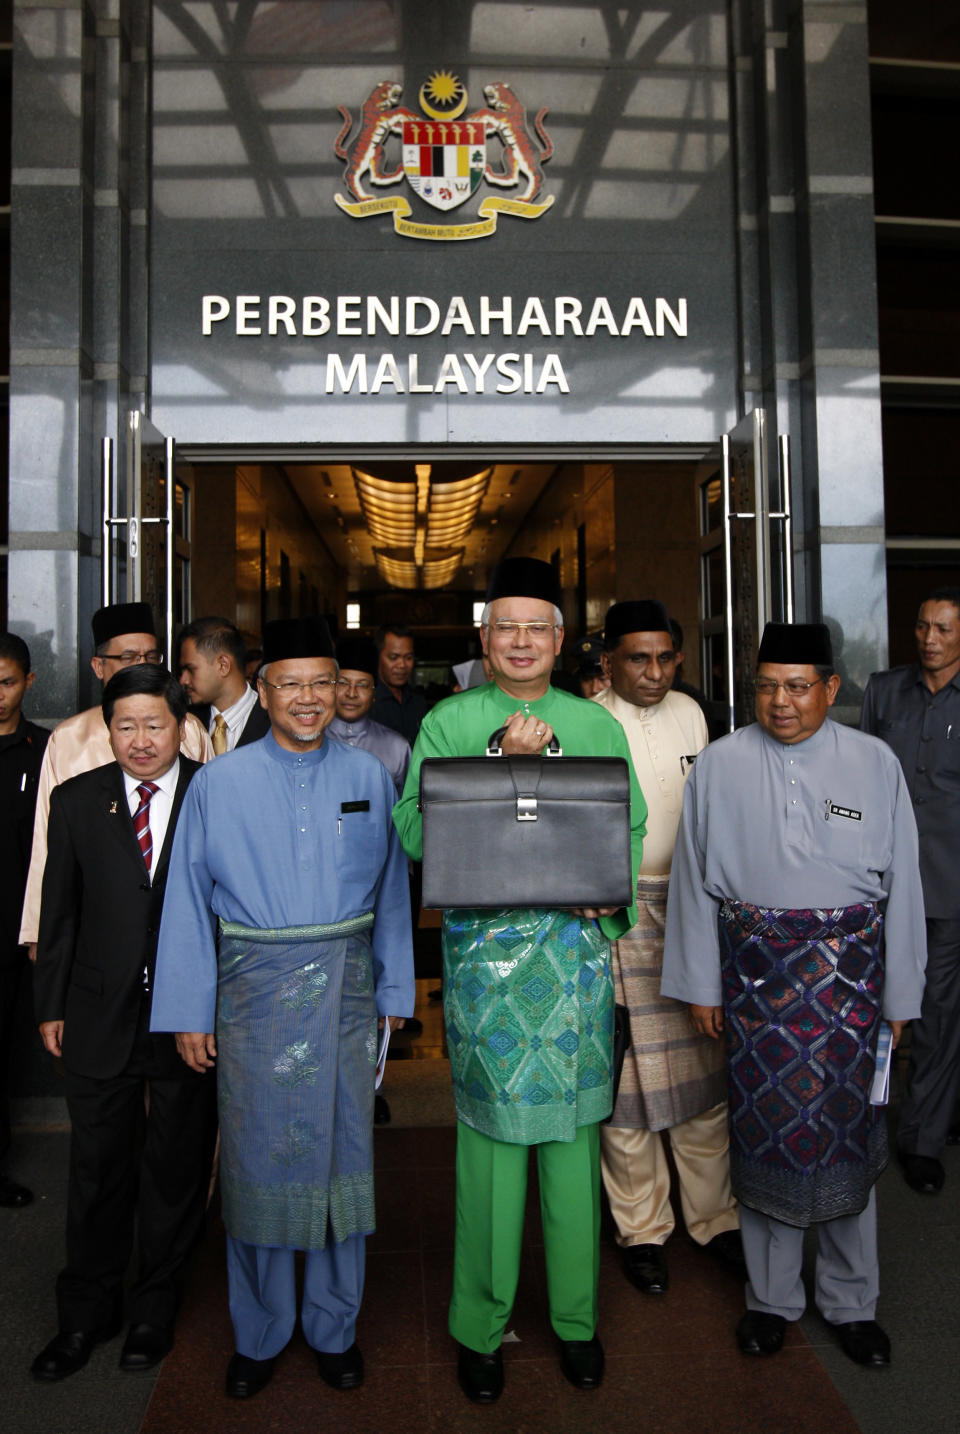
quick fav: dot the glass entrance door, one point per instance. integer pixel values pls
(139, 563)
(746, 577)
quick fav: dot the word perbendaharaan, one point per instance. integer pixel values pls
(353, 315)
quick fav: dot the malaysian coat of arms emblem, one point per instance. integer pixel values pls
(444, 156)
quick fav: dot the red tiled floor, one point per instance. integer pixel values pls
(672, 1363)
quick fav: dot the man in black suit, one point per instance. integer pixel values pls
(21, 752)
(110, 836)
(213, 672)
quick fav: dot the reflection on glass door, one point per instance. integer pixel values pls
(745, 568)
(140, 558)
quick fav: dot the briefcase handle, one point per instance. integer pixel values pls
(494, 748)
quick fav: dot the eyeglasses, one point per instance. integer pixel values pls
(355, 686)
(796, 687)
(534, 629)
(131, 659)
(291, 689)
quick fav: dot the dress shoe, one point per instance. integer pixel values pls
(953, 1134)
(727, 1249)
(863, 1341)
(342, 1371)
(12, 1195)
(246, 1377)
(923, 1173)
(69, 1351)
(381, 1110)
(582, 1362)
(145, 1346)
(480, 1375)
(413, 1026)
(646, 1267)
(761, 1333)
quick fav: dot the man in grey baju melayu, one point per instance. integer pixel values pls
(795, 927)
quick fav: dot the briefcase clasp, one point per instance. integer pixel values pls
(526, 809)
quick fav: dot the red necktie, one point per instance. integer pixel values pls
(141, 821)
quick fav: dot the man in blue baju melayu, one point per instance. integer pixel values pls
(285, 936)
(794, 925)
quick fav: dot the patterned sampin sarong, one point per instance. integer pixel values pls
(296, 1036)
(670, 1073)
(528, 1003)
(802, 999)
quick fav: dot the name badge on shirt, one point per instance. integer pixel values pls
(686, 763)
(835, 810)
(345, 807)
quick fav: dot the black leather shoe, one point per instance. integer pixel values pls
(863, 1341)
(413, 1026)
(342, 1371)
(246, 1377)
(582, 1362)
(761, 1333)
(646, 1267)
(480, 1375)
(381, 1111)
(953, 1134)
(12, 1195)
(727, 1249)
(145, 1346)
(923, 1173)
(69, 1351)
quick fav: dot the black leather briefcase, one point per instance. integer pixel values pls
(548, 831)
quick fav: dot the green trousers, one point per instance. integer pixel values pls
(491, 1196)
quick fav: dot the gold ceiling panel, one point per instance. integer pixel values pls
(419, 529)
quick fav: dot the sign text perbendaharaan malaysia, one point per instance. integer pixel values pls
(444, 159)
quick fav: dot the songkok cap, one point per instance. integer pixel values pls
(588, 656)
(121, 618)
(803, 643)
(296, 637)
(358, 654)
(643, 615)
(524, 577)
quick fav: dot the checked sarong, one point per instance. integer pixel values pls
(802, 994)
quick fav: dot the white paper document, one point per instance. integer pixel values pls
(880, 1090)
(382, 1053)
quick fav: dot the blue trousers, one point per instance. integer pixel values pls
(263, 1296)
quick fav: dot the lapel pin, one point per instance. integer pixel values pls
(113, 809)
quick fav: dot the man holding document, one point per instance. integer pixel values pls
(795, 927)
(285, 935)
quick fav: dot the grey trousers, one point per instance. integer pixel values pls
(934, 1079)
(847, 1279)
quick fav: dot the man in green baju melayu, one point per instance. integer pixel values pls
(528, 1007)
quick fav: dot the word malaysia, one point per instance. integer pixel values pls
(418, 315)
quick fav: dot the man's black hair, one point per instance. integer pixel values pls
(398, 629)
(214, 635)
(945, 595)
(144, 680)
(14, 649)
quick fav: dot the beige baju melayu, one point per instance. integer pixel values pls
(672, 1078)
(79, 744)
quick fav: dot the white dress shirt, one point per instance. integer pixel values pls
(235, 716)
(161, 805)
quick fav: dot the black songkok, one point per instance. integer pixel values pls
(358, 654)
(121, 618)
(802, 643)
(296, 637)
(643, 615)
(524, 577)
(588, 657)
